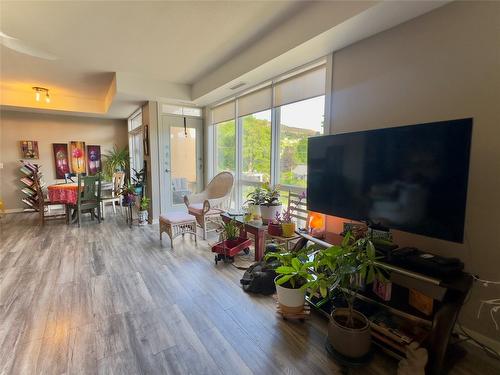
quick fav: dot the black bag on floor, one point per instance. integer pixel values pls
(259, 277)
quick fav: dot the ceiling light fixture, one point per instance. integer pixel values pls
(39, 91)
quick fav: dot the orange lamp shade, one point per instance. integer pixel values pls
(316, 220)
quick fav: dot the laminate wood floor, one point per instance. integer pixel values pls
(107, 299)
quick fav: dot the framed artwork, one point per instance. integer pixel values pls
(93, 159)
(77, 152)
(61, 159)
(29, 149)
(145, 138)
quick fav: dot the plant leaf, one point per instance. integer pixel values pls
(296, 264)
(283, 279)
(284, 270)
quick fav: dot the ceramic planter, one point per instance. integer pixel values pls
(351, 342)
(269, 212)
(142, 217)
(274, 229)
(288, 229)
(254, 212)
(290, 300)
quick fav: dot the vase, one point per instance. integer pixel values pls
(288, 229)
(274, 229)
(350, 342)
(269, 212)
(254, 211)
(142, 217)
(291, 300)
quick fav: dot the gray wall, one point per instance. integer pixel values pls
(442, 65)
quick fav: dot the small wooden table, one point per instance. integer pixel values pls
(258, 231)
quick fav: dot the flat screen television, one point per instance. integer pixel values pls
(412, 178)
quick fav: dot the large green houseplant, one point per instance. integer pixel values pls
(344, 268)
(115, 160)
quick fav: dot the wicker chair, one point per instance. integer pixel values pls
(211, 202)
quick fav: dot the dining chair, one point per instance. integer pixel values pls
(118, 181)
(44, 204)
(68, 177)
(89, 199)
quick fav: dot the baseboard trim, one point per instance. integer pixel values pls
(494, 344)
(16, 210)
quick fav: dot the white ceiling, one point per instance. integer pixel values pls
(172, 41)
(153, 50)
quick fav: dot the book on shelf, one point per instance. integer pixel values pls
(26, 171)
(396, 331)
(31, 166)
(27, 181)
(400, 348)
(30, 203)
(29, 192)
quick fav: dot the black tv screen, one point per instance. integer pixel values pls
(412, 178)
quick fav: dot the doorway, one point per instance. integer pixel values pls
(181, 160)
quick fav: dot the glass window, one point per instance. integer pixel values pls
(135, 152)
(298, 121)
(225, 150)
(256, 151)
(291, 109)
(135, 121)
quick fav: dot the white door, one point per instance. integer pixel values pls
(182, 161)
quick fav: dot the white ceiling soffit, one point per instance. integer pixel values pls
(178, 52)
(375, 19)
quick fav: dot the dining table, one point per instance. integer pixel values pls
(67, 194)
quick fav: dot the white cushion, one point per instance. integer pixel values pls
(177, 217)
(197, 209)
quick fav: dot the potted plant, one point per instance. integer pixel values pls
(287, 224)
(115, 160)
(270, 204)
(138, 179)
(128, 200)
(231, 242)
(142, 214)
(274, 227)
(255, 199)
(340, 268)
(294, 278)
(128, 194)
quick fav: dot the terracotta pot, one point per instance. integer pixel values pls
(274, 229)
(269, 212)
(290, 300)
(288, 229)
(351, 342)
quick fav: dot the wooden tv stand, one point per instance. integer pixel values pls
(449, 296)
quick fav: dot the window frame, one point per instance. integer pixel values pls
(133, 133)
(275, 135)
